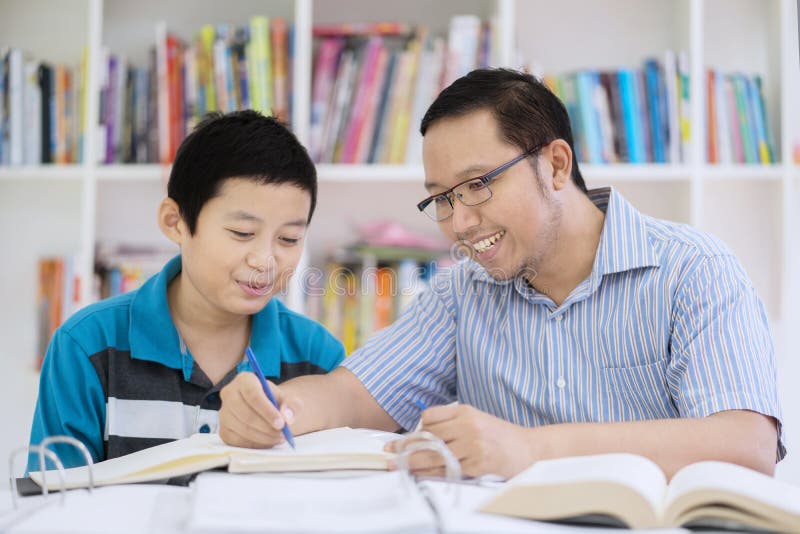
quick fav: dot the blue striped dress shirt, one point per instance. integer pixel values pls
(666, 325)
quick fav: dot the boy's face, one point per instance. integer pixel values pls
(514, 231)
(247, 242)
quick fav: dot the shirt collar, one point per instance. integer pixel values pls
(153, 336)
(623, 245)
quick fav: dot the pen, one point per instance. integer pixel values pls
(257, 371)
(422, 406)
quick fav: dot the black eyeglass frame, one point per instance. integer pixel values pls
(485, 179)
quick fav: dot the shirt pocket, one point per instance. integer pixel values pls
(637, 392)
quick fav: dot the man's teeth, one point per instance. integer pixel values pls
(485, 244)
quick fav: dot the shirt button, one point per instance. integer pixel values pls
(213, 397)
(561, 383)
(205, 429)
(560, 318)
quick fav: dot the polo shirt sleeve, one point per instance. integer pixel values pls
(71, 402)
(326, 350)
(721, 346)
(412, 360)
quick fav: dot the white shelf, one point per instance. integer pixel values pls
(328, 172)
(42, 172)
(768, 173)
(133, 173)
(629, 172)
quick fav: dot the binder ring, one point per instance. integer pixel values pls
(425, 441)
(75, 443)
(42, 453)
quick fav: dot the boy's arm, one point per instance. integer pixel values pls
(485, 444)
(315, 402)
(71, 402)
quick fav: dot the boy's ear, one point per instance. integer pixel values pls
(171, 222)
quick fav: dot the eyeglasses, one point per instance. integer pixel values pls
(469, 192)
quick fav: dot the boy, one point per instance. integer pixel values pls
(146, 367)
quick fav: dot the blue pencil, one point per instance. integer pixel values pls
(257, 371)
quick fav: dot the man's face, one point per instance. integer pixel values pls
(247, 242)
(515, 230)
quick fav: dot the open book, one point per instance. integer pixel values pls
(338, 448)
(631, 490)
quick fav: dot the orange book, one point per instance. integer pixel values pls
(384, 297)
(711, 122)
(280, 69)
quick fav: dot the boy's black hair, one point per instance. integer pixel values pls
(241, 144)
(527, 112)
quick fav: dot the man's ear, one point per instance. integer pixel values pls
(561, 159)
(170, 221)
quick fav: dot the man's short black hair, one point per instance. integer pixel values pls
(527, 112)
(241, 144)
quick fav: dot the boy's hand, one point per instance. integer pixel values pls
(247, 417)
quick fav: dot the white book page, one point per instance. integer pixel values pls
(118, 509)
(342, 440)
(457, 506)
(637, 472)
(116, 469)
(735, 479)
(383, 502)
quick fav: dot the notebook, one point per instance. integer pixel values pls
(338, 448)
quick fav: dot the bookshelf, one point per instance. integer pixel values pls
(55, 210)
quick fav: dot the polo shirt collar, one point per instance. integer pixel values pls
(153, 336)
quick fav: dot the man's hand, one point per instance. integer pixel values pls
(482, 443)
(247, 417)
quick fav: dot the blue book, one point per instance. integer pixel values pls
(585, 81)
(633, 130)
(757, 116)
(654, 107)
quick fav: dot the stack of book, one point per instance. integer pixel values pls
(124, 269)
(147, 111)
(373, 82)
(738, 125)
(59, 295)
(629, 115)
(41, 110)
(363, 289)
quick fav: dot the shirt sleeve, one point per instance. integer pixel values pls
(721, 346)
(328, 351)
(412, 360)
(71, 403)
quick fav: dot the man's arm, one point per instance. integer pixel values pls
(485, 444)
(307, 404)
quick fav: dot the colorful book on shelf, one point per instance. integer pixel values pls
(279, 32)
(334, 449)
(631, 491)
(361, 29)
(712, 145)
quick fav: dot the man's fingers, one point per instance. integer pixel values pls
(439, 414)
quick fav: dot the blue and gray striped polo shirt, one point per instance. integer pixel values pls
(117, 376)
(666, 325)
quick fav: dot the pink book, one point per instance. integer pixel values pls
(358, 112)
(324, 77)
(367, 133)
(733, 123)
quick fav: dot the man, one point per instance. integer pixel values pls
(580, 326)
